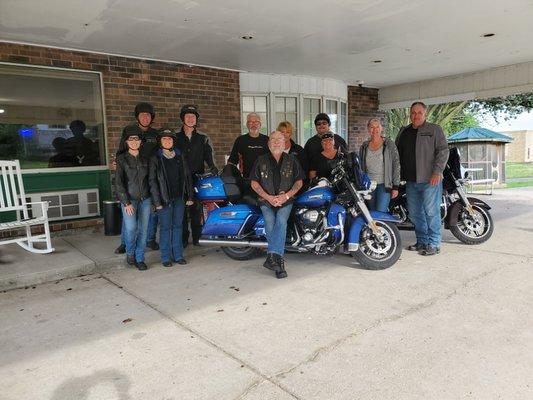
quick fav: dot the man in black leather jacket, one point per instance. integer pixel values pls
(196, 146)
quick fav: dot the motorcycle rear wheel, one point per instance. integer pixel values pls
(469, 231)
(241, 253)
(375, 255)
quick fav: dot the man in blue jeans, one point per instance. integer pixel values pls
(423, 151)
(276, 177)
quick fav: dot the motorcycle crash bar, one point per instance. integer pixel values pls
(233, 243)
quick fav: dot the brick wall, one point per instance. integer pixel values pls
(362, 105)
(167, 86)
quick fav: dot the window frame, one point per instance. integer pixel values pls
(268, 110)
(105, 166)
(298, 135)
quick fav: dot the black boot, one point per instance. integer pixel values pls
(280, 272)
(120, 249)
(130, 260)
(152, 244)
(270, 262)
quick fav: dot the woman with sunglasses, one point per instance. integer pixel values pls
(133, 191)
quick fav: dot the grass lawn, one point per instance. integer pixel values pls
(518, 184)
(518, 170)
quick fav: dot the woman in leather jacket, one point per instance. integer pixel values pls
(133, 191)
(171, 190)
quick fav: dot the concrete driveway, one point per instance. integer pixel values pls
(455, 326)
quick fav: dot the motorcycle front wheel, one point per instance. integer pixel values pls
(376, 254)
(241, 253)
(473, 230)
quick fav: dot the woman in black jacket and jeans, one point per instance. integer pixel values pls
(171, 189)
(132, 188)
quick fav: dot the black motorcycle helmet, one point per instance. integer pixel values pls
(166, 132)
(132, 130)
(189, 109)
(144, 107)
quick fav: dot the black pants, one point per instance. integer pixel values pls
(192, 214)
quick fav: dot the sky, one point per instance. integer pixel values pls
(523, 122)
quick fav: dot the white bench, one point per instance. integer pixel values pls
(488, 185)
(13, 199)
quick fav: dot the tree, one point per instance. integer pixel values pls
(459, 115)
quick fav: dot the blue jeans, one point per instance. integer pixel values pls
(423, 203)
(380, 199)
(170, 230)
(135, 228)
(152, 227)
(276, 227)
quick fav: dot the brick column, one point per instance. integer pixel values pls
(362, 105)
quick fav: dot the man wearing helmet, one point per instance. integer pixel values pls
(144, 115)
(196, 146)
(171, 190)
(313, 147)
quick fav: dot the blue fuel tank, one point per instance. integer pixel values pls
(316, 197)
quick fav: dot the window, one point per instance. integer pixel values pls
(311, 109)
(331, 110)
(257, 104)
(344, 121)
(286, 111)
(52, 118)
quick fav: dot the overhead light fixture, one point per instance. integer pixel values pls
(248, 36)
(488, 35)
(2, 111)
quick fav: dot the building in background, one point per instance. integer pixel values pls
(520, 150)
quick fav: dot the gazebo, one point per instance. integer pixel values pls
(483, 152)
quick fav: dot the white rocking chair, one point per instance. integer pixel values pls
(13, 198)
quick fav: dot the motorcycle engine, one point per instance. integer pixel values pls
(310, 223)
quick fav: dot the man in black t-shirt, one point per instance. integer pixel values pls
(248, 147)
(313, 147)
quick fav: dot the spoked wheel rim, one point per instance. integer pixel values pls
(474, 227)
(377, 250)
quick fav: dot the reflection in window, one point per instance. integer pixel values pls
(331, 110)
(52, 118)
(344, 121)
(257, 104)
(286, 111)
(311, 109)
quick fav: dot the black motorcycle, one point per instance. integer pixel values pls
(468, 218)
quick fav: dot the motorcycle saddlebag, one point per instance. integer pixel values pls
(235, 220)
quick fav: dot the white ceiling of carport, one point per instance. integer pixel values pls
(415, 39)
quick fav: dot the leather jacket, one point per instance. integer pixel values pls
(158, 179)
(131, 178)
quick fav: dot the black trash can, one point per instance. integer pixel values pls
(112, 217)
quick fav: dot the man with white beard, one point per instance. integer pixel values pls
(276, 177)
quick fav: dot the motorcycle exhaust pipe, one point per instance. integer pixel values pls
(233, 243)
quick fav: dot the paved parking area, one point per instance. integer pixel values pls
(455, 326)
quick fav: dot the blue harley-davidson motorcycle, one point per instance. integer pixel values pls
(324, 218)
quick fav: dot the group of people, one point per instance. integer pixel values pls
(154, 183)
(155, 170)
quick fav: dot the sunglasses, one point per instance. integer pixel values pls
(322, 123)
